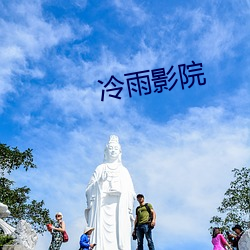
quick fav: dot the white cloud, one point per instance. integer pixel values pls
(25, 39)
(218, 41)
(146, 58)
(32, 33)
(107, 64)
(83, 102)
(131, 12)
(199, 32)
(80, 3)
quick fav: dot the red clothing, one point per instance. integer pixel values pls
(219, 242)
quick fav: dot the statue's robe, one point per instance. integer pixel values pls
(110, 197)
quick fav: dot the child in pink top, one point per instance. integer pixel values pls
(218, 240)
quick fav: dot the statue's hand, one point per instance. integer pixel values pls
(132, 217)
(89, 205)
(90, 202)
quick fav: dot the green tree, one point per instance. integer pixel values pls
(235, 207)
(17, 199)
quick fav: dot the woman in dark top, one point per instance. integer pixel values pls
(56, 231)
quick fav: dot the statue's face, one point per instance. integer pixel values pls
(114, 150)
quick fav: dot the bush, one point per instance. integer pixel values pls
(6, 240)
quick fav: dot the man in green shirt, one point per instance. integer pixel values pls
(144, 223)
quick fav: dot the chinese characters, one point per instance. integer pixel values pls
(156, 81)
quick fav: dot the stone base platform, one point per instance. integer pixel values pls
(13, 247)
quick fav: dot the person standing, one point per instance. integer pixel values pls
(218, 240)
(85, 239)
(143, 225)
(56, 231)
(239, 231)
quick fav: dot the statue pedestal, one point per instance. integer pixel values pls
(13, 247)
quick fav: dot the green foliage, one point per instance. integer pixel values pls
(235, 206)
(6, 240)
(17, 199)
(12, 159)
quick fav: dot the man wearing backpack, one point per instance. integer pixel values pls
(144, 223)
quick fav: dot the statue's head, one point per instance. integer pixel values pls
(113, 150)
(4, 211)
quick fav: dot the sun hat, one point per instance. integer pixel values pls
(87, 229)
(59, 213)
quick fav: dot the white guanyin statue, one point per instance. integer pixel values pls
(110, 197)
(23, 234)
(4, 212)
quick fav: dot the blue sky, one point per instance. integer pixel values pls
(179, 146)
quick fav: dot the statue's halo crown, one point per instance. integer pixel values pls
(113, 139)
